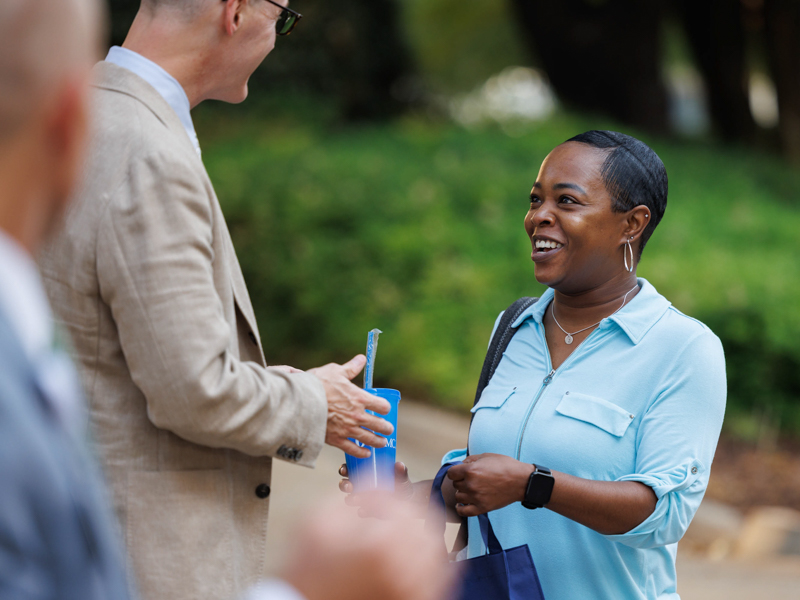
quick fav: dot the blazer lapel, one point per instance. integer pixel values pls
(108, 76)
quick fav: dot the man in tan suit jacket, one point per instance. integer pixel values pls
(184, 411)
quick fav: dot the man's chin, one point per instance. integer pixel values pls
(232, 96)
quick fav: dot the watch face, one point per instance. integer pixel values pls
(540, 488)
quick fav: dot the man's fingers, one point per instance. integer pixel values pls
(376, 404)
(351, 448)
(354, 365)
(343, 470)
(376, 424)
(370, 439)
(346, 486)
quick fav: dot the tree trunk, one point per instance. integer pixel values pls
(601, 56)
(782, 27)
(716, 35)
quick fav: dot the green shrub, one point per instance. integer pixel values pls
(416, 228)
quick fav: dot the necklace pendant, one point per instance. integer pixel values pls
(568, 339)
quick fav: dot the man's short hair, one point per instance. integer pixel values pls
(188, 8)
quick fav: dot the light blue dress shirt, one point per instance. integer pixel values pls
(164, 83)
(641, 399)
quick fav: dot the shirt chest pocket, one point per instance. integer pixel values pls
(494, 397)
(596, 411)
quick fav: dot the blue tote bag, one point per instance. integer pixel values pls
(497, 575)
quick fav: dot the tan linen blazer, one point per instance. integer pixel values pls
(184, 413)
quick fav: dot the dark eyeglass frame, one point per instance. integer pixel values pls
(287, 20)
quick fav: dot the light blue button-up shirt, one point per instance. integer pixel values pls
(164, 83)
(641, 399)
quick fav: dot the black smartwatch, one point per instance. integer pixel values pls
(540, 487)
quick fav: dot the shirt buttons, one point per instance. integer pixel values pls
(694, 470)
(262, 491)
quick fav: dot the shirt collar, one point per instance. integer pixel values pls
(164, 83)
(23, 300)
(635, 319)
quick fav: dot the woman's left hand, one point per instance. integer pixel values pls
(486, 482)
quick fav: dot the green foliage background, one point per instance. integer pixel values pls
(416, 228)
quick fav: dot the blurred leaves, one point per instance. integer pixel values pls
(416, 228)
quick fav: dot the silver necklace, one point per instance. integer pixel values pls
(568, 339)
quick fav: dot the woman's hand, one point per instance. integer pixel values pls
(369, 503)
(403, 488)
(486, 482)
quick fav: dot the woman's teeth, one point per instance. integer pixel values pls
(546, 245)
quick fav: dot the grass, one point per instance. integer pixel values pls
(415, 227)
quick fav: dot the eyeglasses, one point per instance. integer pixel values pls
(287, 20)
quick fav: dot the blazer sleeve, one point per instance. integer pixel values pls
(155, 268)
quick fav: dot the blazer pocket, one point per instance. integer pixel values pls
(494, 397)
(180, 530)
(596, 411)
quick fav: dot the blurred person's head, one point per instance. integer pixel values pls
(211, 47)
(47, 48)
(595, 203)
(338, 555)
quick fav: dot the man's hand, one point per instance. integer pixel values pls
(347, 405)
(338, 556)
(486, 482)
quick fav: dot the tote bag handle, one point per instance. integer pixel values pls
(437, 524)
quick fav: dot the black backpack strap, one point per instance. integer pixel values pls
(500, 340)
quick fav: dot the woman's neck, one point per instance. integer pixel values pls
(594, 304)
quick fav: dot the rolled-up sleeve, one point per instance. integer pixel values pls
(677, 439)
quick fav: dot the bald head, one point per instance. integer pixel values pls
(41, 43)
(47, 48)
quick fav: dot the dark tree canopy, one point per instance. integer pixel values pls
(601, 56)
(716, 35)
(352, 51)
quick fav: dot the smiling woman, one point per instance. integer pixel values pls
(618, 393)
(607, 404)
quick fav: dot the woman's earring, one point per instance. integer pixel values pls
(628, 248)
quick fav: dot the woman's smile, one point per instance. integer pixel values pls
(576, 236)
(544, 248)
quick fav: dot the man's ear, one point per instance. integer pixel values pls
(233, 15)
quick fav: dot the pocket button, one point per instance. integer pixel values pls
(694, 470)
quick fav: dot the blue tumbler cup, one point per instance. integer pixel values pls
(377, 471)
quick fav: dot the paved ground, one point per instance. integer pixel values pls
(425, 434)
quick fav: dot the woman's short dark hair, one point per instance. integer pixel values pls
(633, 174)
